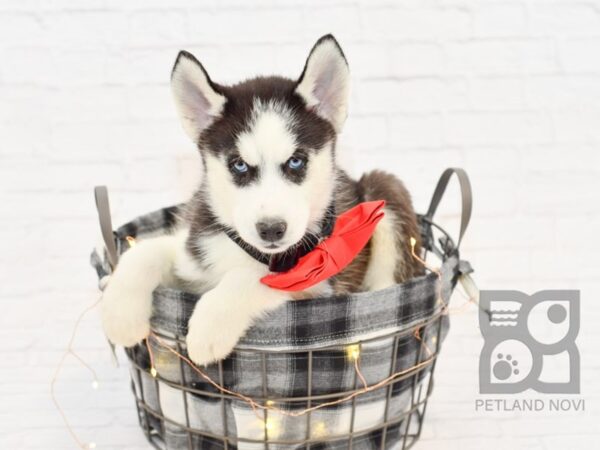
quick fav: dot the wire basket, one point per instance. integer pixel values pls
(349, 372)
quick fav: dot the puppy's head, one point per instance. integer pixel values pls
(267, 144)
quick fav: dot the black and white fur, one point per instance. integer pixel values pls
(268, 152)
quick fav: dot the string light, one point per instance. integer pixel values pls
(70, 351)
(353, 352)
(417, 335)
(319, 430)
(153, 371)
(470, 294)
(271, 425)
(257, 406)
(437, 271)
(413, 243)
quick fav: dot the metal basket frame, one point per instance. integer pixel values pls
(419, 391)
(406, 426)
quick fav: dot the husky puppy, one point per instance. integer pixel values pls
(270, 186)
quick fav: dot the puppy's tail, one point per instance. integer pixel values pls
(401, 217)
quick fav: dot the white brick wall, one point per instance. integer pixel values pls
(508, 89)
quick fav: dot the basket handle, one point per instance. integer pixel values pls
(466, 198)
(103, 207)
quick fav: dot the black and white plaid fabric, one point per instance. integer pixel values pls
(299, 356)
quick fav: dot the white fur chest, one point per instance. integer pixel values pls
(220, 255)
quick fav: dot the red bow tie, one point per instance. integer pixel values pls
(351, 232)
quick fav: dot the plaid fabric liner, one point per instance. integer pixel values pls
(272, 361)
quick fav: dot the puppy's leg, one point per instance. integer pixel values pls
(384, 255)
(126, 304)
(223, 314)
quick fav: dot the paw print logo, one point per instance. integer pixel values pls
(510, 363)
(505, 367)
(524, 338)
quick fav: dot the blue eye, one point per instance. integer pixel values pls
(240, 166)
(295, 163)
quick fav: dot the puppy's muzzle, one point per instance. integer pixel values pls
(271, 230)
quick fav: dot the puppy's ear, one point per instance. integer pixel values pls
(325, 82)
(196, 98)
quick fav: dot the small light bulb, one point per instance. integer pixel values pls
(413, 242)
(92, 445)
(153, 372)
(272, 427)
(130, 240)
(353, 352)
(319, 430)
(95, 384)
(270, 403)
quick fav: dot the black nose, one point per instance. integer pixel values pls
(271, 230)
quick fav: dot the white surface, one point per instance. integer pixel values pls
(510, 90)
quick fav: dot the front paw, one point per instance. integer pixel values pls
(125, 314)
(212, 334)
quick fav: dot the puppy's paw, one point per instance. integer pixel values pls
(125, 315)
(212, 333)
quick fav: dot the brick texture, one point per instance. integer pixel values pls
(508, 89)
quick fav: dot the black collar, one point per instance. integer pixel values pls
(282, 262)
